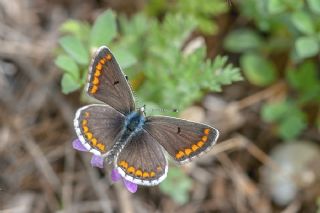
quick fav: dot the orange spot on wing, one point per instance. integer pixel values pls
(102, 61)
(84, 122)
(152, 174)
(204, 138)
(159, 169)
(138, 173)
(85, 129)
(179, 155)
(99, 66)
(108, 57)
(101, 146)
(95, 81)
(131, 170)
(194, 147)
(206, 131)
(94, 141)
(86, 114)
(145, 175)
(188, 151)
(89, 135)
(124, 164)
(97, 73)
(94, 89)
(200, 143)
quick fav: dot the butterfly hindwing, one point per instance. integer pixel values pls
(98, 127)
(107, 83)
(182, 139)
(142, 160)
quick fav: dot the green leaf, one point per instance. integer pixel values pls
(292, 126)
(303, 22)
(304, 80)
(75, 48)
(242, 40)
(104, 29)
(68, 65)
(124, 58)
(289, 118)
(276, 6)
(136, 25)
(258, 70)
(207, 26)
(314, 6)
(79, 29)
(304, 77)
(274, 111)
(306, 47)
(177, 185)
(69, 84)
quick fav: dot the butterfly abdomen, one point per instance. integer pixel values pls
(118, 146)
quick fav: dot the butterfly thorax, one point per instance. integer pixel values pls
(134, 121)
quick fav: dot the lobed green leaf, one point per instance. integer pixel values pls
(258, 70)
(307, 47)
(69, 83)
(303, 22)
(75, 48)
(104, 29)
(242, 40)
(68, 65)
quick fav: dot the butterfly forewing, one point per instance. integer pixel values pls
(182, 139)
(98, 127)
(142, 160)
(107, 83)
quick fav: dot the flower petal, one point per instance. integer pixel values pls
(76, 144)
(132, 187)
(97, 161)
(115, 176)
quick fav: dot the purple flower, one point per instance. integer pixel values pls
(131, 187)
(97, 161)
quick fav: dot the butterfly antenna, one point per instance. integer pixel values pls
(142, 110)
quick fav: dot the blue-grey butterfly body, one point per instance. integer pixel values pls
(122, 134)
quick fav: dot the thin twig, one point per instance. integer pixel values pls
(41, 161)
(124, 198)
(259, 96)
(67, 188)
(98, 187)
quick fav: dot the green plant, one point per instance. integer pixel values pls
(201, 12)
(281, 45)
(78, 44)
(170, 79)
(151, 53)
(289, 118)
(177, 185)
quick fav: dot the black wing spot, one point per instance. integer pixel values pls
(126, 77)
(179, 130)
(116, 82)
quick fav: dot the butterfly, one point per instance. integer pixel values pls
(125, 136)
